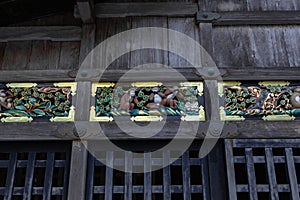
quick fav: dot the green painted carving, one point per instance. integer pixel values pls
(148, 99)
(265, 100)
(20, 103)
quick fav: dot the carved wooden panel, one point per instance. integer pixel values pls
(25, 102)
(148, 101)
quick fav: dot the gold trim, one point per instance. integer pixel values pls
(147, 118)
(199, 86)
(146, 84)
(99, 85)
(21, 85)
(17, 119)
(224, 117)
(221, 86)
(278, 118)
(73, 86)
(93, 117)
(70, 118)
(200, 117)
(274, 83)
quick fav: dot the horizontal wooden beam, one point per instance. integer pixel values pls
(107, 10)
(250, 18)
(53, 33)
(35, 75)
(67, 131)
(191, 74)
(268, 73)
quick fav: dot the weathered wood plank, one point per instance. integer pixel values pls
(245, 5)
(87, 41)
(109, 10)
(230, 170)
(107, 28)
(10, 176)
(128, 175)
(16, 55)
(147, 176)
(167, 174)
(261, 143)
(217, 174)
(292, 173)
(271, 174)
(188, 27)
(205, 179)
(190, 74)
(86, 10)
(69, 55)
(146, 56)
(109, 175)
(65, 131)
(251, 174)
(78, 168)
(29, 176)
(186, 176)
(48, 176)
(82, 105)
(256, 46)
(90, 177)
(53, 33)
(254, 18)
(44, 55)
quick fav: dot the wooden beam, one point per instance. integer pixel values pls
(53, 33)
(251, 18)
(78, 171)
(108, 10)
(65, 131)
(86, 10)
(191, 74)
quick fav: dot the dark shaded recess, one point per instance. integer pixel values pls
(15, 11)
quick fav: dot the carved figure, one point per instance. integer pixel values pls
(295, 98)
(6, 100)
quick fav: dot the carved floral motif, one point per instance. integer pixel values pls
(263, 100)
(34, 102)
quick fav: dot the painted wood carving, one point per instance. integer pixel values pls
(26, 102)
(149, 101)
(269, 100)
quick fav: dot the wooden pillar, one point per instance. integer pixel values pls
(217, 172)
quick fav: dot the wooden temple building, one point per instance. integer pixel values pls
(59, 120)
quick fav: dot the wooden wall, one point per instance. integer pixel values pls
(242, 47)
(38, 55)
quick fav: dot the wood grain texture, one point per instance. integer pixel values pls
(257, 18)
(186, 26)
(111, 10)
(69, 55)
(107, 28)
(145, 56)
(16, 55)
(257, 46)
(53, 33)
(245, 5)
(86, 10)
(65, 131)
(77, 171)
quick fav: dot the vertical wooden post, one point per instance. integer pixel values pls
(217, 173)
(78, 169)
(77, 180)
